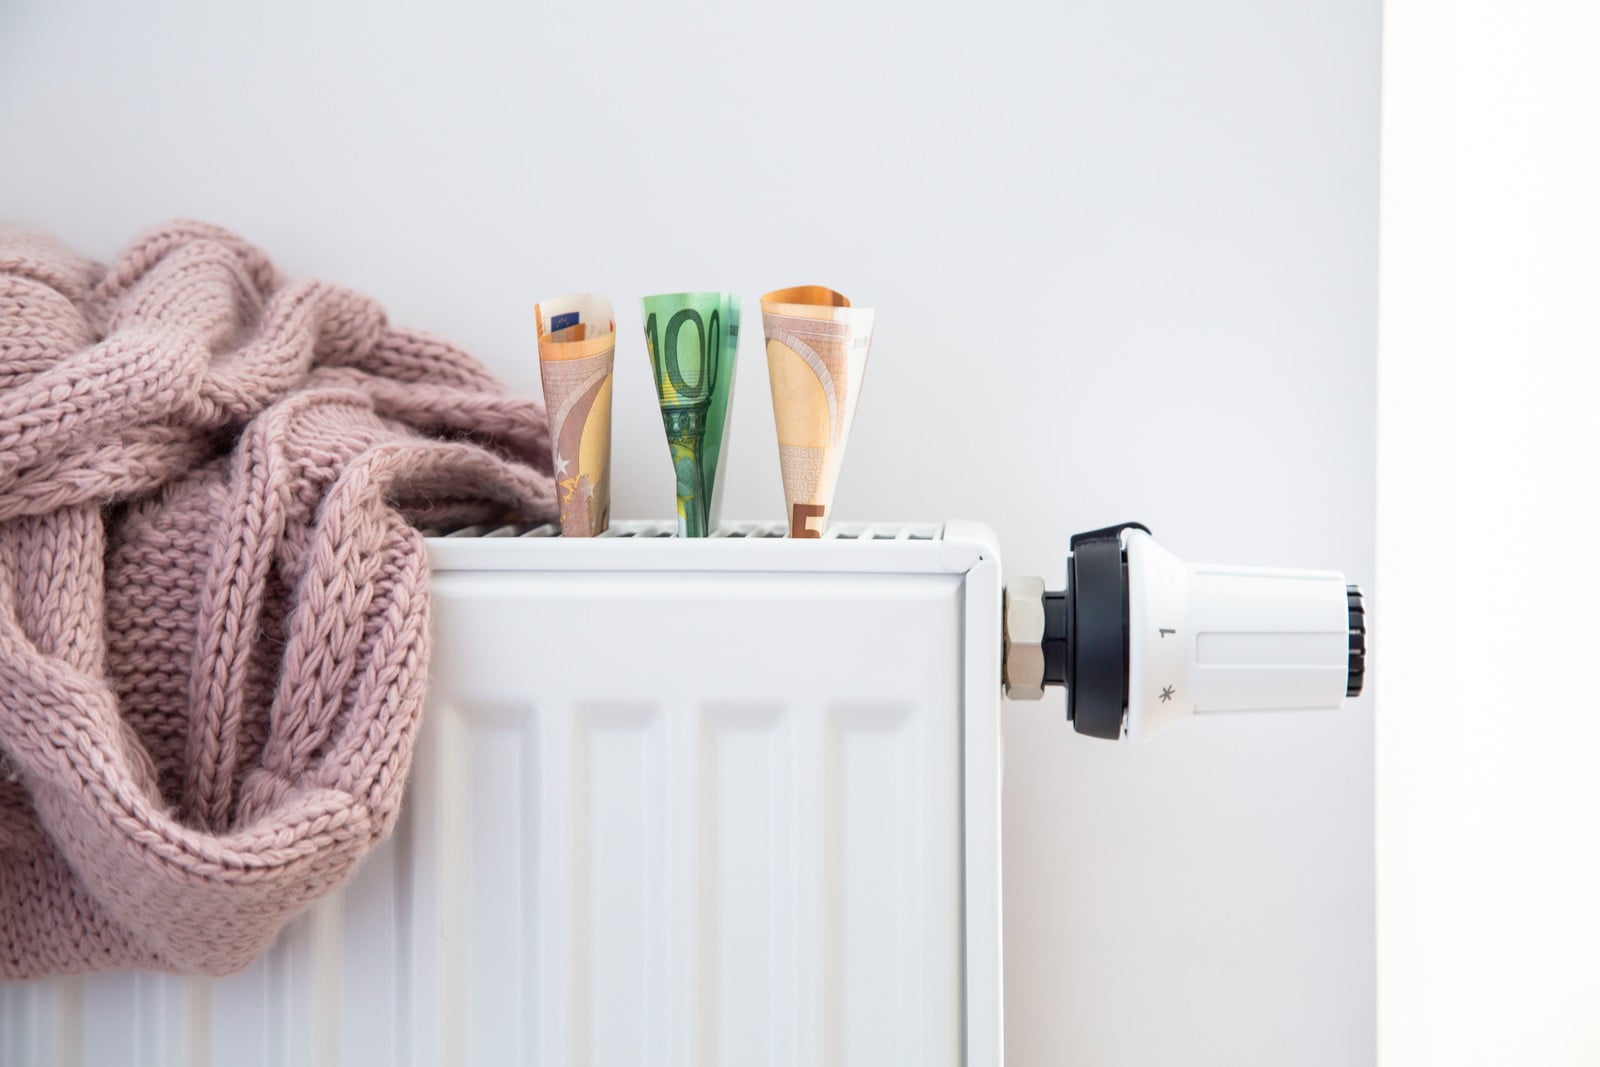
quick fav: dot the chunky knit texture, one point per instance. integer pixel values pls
(213, 599)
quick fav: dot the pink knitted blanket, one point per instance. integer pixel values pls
(213, 602)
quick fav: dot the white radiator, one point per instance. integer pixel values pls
(733, 801)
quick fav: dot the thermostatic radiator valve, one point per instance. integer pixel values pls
(1140, 639)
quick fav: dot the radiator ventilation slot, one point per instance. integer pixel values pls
(844, 531)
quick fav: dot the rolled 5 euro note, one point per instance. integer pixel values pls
(817, 348)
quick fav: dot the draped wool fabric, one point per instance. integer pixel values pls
(213, 591)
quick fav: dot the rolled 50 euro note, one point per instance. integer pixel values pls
(577, 340)
(817, 348)
(694, 344)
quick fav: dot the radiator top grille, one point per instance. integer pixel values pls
(844, 531)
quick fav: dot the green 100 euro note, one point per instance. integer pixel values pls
(694, 343)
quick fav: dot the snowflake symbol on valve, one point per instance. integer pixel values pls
(1166, 694)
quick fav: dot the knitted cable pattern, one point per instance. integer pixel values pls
(213, 599)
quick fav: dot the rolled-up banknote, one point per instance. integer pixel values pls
(694, 345)
(577, 340)
(816, 356)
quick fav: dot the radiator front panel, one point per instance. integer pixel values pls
(655, 817)
(699, 871)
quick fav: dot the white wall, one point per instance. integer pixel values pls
(1488, 864)
(1123, 257)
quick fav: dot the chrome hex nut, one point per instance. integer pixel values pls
(1024, 638)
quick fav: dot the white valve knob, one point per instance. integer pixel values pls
(1205, 639)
